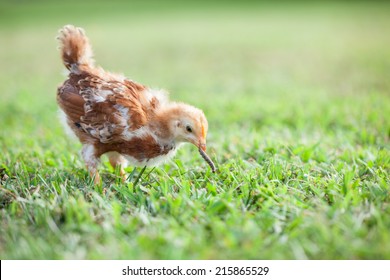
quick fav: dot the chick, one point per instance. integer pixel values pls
(113, 115)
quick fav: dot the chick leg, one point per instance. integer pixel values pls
(92, 162)
(118, 160)
(96, 177)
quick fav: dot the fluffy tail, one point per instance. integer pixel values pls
(75, 48)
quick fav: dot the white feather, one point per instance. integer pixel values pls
(64, 121)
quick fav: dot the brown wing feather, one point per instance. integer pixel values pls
(70, 101)
(103, 109)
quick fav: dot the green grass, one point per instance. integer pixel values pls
(298, 103)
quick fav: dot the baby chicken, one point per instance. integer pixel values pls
(113, 115)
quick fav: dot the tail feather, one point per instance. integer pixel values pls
(75, 48)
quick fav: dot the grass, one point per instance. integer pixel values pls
(298, 103)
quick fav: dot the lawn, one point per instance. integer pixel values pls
(298, 102)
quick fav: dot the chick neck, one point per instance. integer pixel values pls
(164, 123)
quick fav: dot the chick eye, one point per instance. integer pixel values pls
(188, 128)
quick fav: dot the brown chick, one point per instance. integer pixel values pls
(112, 115)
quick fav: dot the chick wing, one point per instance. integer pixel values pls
(105, 110)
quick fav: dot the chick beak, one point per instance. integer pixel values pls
(202, 145)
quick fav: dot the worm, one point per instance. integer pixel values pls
(207, 159)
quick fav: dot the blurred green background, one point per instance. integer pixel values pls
(297, 95)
